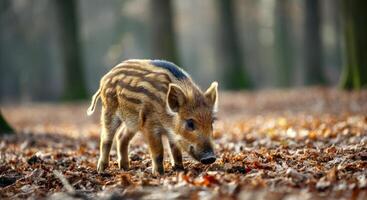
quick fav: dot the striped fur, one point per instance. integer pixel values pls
(156, 98)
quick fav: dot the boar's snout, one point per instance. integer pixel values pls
(204, 155)
(208, 158)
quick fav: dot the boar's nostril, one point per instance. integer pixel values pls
(208, 160)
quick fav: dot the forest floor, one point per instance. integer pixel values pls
(299, 144)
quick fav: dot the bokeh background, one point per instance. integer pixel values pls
(53, 50)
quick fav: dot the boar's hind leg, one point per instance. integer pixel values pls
(123, 139)
(110, 123)
(176, 156)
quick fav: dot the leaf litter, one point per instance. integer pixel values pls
(276, 144)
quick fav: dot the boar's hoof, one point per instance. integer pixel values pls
(101, 166)
(158, 171)
(178, 168)
(123, 165)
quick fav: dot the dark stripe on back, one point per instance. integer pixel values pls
(120, 69)
(140, 89)
(174, 69)
(131, 99)
(152, 81)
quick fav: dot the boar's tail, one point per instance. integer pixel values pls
(92, 106)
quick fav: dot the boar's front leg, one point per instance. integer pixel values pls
(110, 123)
(152, 132)
(176, 156)
(154, 140)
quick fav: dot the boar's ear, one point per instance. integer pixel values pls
(175, 98)
(212, 95)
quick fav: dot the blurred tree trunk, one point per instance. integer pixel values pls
(312, 44)
(4, 126)
(336, 52)
(4, 6)
(71, 50)
(235, 76)
(163, 36)
(283, 44)
(354, 75)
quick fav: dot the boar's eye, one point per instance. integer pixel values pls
(190, 125)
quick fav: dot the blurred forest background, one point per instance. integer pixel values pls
(58, 50)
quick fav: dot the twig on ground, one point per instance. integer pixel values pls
(64, 181)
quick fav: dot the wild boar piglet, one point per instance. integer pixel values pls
(156, 98)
